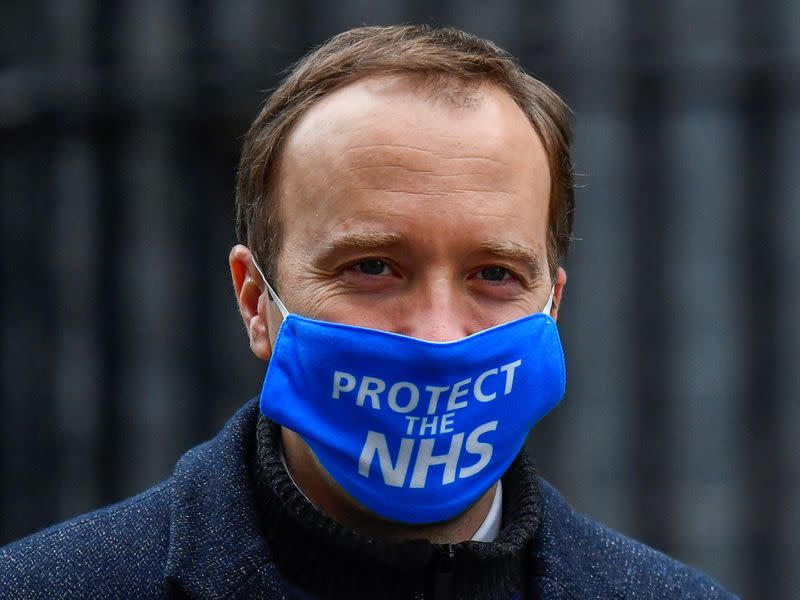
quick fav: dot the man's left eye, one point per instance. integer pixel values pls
(494, 273)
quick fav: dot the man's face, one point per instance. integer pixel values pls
(412, 214)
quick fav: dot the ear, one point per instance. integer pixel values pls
(561, 281)
(253, 300)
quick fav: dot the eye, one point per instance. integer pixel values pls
(373, 266)
(494, 273)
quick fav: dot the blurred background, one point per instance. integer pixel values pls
(121, 345)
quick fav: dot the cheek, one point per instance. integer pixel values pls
(325, 301)
(274, 320)
(485, 316)
(386, 315)
(412, 315)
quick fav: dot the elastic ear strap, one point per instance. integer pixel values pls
(549, 305)
(278, 303)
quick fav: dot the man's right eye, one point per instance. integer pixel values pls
(373, 266)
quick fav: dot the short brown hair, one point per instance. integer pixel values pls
(365, 51)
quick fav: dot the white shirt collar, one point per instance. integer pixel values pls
(490, 528)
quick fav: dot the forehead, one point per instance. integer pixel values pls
(397, 150)
(395, 115)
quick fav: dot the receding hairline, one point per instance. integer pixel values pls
(455, 93)
(434, 88)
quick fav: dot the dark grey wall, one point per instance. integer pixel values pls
(121, 345)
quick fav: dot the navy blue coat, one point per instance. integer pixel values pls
(197, 535)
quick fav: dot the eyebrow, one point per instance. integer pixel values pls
(516, 252)
(357, 241)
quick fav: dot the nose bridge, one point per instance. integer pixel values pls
(436, 313)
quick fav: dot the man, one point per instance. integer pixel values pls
(404, 202)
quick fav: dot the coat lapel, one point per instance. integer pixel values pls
(216, 549)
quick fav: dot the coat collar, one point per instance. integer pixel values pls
(216, 548)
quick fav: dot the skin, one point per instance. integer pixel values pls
(408, 212)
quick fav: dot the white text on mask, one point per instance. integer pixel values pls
(404, 396)
(416, 456)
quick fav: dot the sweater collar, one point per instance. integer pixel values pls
(488, 530)
(323, 557)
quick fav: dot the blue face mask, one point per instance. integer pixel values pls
(414, 431)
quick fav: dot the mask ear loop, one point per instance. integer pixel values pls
(549, 305)
(273, 295)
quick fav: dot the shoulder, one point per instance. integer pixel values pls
(589, 560)
(117, 551)
(196, 534)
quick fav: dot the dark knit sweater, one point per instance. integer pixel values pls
(327, 559)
